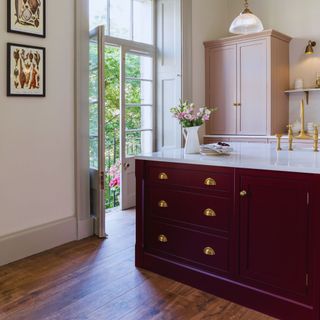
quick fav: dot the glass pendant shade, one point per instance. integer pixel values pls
(246, 22)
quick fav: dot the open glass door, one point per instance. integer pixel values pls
(137, 116)
(96, 130)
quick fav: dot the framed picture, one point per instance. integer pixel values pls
(27, 17)
(26, 74)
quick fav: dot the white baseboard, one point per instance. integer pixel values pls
(85, 228)
(28, 242)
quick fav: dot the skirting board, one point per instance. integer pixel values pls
(29, 242)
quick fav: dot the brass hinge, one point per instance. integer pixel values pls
(102, 180)
(307, 279)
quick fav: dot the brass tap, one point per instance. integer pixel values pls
(279, 135)
(290, 137)
(316, 139)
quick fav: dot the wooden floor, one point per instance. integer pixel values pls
(97, 280)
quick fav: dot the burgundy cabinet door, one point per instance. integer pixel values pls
(274, 221)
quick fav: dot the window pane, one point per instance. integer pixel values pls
(138, 142)
(139, 118)
(133, 118)
(98, 13)
(142, 21)
(139, 92)
(93, 103)
(139, 67)
(93, 152)
(120, 19)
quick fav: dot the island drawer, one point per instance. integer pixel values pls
(193, 208)
(199, 248)
(206, 178)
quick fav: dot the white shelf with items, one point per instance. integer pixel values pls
(306, 91)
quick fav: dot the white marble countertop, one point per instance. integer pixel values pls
(249, 156)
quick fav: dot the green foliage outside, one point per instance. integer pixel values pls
(112, 111)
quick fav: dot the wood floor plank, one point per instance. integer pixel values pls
(94, 279)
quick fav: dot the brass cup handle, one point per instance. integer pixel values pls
(162, 204)
(243, 193)
(163, 176)
(209, 213)
(210, 182)
(162, 238)
(208, 251)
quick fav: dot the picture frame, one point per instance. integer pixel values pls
(26, 70)
(27, 17)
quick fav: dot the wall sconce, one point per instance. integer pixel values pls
(309, 48)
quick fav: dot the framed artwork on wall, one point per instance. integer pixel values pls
(26, 74)
(27, 17)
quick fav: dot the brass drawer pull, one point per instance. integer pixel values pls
(209, 213)
(162, 238)
(208, 251)
(162, 204)
(163, 176)
(243, 193)
(210, 182)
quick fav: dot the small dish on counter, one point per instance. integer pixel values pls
(216, 149)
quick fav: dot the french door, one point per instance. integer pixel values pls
(137, 116)
(96, 129)
(136, 107)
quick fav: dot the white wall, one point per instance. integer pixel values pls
(37, 134)
(209, 21)
(300, 20)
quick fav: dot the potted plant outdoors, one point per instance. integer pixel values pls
(114, 174)
(191, 120)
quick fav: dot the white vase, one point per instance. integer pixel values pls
(192, 145)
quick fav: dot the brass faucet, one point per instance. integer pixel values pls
(316, 139)
(279, 135)
(290, 137)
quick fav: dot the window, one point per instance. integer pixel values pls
(124, 19)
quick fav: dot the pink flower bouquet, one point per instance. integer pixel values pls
(187, 115)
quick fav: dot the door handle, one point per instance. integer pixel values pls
(126, 165)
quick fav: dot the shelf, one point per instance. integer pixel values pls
(306, 91)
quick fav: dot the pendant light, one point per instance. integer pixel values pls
(246, 22)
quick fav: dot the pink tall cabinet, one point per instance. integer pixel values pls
(246, 77)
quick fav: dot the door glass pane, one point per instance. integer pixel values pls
(98, 13)
(139, 92)
(139, 66)
(143, 21)
(93, 102)
(139, 118)
(138, 142)
(120, 19)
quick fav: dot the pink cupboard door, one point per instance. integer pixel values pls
(252, 87)
(221, 88)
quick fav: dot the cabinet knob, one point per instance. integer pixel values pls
(162, 238)
(208, 251)
(209, 213)
(162, 204)
(163, 176)
(210, 182)
(243, 193)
